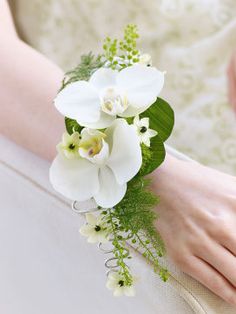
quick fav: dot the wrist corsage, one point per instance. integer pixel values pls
(115, 129)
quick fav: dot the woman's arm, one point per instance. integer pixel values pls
(232, 80)
(28, 84)
(7, 26)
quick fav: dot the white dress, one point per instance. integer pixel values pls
(45, 266)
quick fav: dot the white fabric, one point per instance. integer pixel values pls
(46, 266)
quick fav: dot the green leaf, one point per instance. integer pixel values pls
(72, 126)
(153, 156)
(161, 118)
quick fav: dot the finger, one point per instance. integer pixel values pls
(228, 240)
(219, 258)
(212, 279)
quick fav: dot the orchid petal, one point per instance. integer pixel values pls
(79, 101)
(103, 78)
(141, 83)
(104, 121)
(132, 111)
(126, 157)
(76, 179)
(110, 192)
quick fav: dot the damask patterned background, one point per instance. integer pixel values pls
(191, 40)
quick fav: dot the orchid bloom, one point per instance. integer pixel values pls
(106, 162)
(109, 93)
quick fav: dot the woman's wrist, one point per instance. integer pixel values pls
(168, 170)
(173, 176)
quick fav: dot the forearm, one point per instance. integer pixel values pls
(28, 84)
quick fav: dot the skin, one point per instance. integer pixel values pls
(197, 223)
(27, 92)
(198, 204)
(232, 80)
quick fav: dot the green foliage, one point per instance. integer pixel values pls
(152, 156)
(72, 126)
(135, 218)
(110, 51)
(129, 43)
(120, 250)
(135, 210)
(161, 118)
(164, 274)
(88, 64)
(123, 52)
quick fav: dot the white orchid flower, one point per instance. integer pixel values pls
(69, 145)
(106, 163)
(95, 229)
(116, 282)
(109, 93)
(143, 131)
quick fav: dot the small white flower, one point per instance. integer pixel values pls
(116, 282)
(69, 145)
(109, 93)
(145, 59)
(144, 133)
(95, 229)
(106, 163)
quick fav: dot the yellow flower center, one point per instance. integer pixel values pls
(92, 146)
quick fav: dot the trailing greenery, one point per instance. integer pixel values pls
(120, 251)
(132, 221)
(136, 217)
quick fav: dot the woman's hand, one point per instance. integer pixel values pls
(232, 80)
(198, 223)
